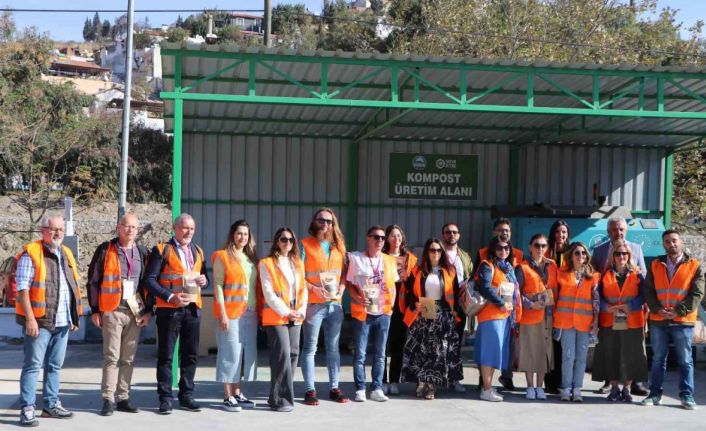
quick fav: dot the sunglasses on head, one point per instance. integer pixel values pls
(284, 239)
(620, 253)
(324, 221)
(540, 245)
(377, 237)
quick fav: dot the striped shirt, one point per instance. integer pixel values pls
(24, 277)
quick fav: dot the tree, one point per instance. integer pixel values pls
(88, 33)
(377, 6)
(96, 23)
(179, 21)
(141, 40)
(7, 27)
(177, 34)
(229, 34)
(106, 30)
(349, 30)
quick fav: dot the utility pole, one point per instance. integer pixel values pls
(122, 196)
(268, 23)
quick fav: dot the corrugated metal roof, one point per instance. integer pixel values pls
(348, 123)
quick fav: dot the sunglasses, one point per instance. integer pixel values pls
(377, 237)
(620, 253)
(580, 253)
(502, 248)
(435, 250)
(540, 245)
(451, 232)
(284, 239)
(324, 221)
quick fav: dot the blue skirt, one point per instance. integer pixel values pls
(492, 344)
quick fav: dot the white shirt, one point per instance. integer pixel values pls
(432, 286)
(364, 270)
(455, 259)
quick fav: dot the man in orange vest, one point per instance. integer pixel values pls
(323, 252)
(673, 291)
(175, 275)
(48, 307)
(118, 309)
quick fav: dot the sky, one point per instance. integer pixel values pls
(69, 26)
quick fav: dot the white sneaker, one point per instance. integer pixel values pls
(490, 395)
(531, 394)
(378, 395)
(360, 396)
(394, 389)
(459, 388)
(230, 404)
(566, 394)
(577, 395)
(539, 392)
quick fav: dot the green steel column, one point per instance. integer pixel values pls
(668, 189)
(351, 207)
(176, 180)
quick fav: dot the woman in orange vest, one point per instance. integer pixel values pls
(575, 317)
(620, 354)
(234, 307)
(558, 240)
(431, 353)
(498, 285)
(396, 246)
(536, 277)
(283, 307)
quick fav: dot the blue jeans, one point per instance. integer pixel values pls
(659, 339)
(331, 317)
(47, 349)
(574, 348)
(376, 327)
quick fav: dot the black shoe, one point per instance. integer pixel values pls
(507, 383)
(165, 407)
(614, 395)
(638, 388)
(57, 412)
(126, 406)
(190, 405)
(244, 402)
(108, 408)
(310, 398)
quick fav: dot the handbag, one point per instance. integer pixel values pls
(470, 300)
(699, 335)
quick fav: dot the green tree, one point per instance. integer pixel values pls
(377, 6)
(229, 34)
(7, 27)
(105, 29)
(177, 34)
(141, 40)
(179, 21)
(293, 27)
(349, 30)
(96, 24)
(88, 33)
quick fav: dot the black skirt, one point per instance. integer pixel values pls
(431, 352)
(620, 355)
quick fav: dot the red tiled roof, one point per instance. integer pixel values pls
(79, 65)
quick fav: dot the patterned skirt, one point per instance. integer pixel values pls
(431, 353)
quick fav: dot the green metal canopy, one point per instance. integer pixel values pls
(254, 91)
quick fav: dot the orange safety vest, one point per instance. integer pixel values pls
(411, 264)
(492, 311)
(111, 289)
(37, 290)
(316, 262)
(672, 293)
(390, 269)
(173, 271)
(516, 253)
(235, 287)
(574, 307)
(613, 295)
(269, 317)
(535, 285)
(448, 280)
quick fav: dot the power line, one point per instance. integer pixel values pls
(125, 11)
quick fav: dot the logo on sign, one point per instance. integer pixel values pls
(419, 163)
(440, 163)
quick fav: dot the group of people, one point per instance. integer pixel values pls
(539, 312)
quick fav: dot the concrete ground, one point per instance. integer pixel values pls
(80, 392)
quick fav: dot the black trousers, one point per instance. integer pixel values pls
(552, 380)
(396, 338)
(284, 352)
(184, 323)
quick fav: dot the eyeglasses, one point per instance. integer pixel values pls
(502, 248)
(451, 232)
(620, 253)
(55, 229)
(435, 250)
(540, 245)
(324, 221)
(377, 237)
(580, 253)
(285, 239)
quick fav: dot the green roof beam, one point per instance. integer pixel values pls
(507, 81)
(565, 90)
(213, 75)
(289, 78)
